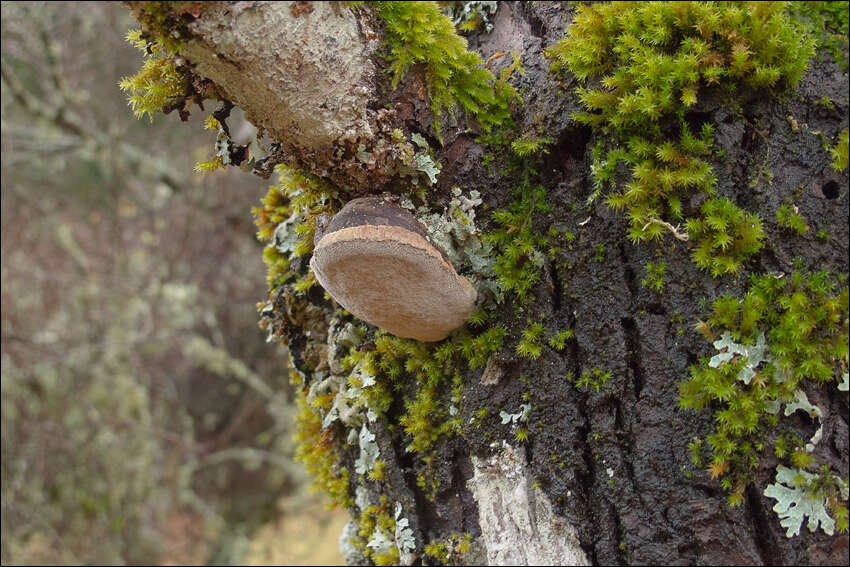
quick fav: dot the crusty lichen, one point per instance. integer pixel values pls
(517, 521)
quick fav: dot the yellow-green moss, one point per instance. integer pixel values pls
(317, 449)
(373, 519)
(787, 216)
(827, 21)
(158, 85)
(650, 61)
(796, 330)
(841, 151)
(418, 33)
(298, 199)
(450, 550)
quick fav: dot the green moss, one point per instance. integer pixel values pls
(828, 21)
(558, 341)
(529, 145)
(654, 276)
(529, 346)
(649, 62)
(595, 378)
(287, 220)
(316, 448)
(654, 57)
(376, 534)
(478, 317)
(158, 85)
(430, 374)
(439, 551)
(662, 175)
(476, 349)
(841, 151)
(451, 549)
(727, 236)
(519, 263)
(789, 217)
(164, 22)
(826, 103)
(418, 33)
(795, 330)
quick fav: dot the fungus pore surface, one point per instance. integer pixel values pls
(375, 260)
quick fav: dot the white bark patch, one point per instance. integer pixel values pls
(517, 522)
(306, 78)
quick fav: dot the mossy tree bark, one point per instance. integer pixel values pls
(603, 474)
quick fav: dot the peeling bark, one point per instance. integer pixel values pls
(307, 78)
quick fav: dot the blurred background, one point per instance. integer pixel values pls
(145, 420)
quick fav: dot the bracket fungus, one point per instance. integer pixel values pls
(376, 260)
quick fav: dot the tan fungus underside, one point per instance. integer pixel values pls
(394, 279)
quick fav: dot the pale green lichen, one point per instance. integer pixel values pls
(455, 231)
(800, 495)
(404, 540)
(369, 451)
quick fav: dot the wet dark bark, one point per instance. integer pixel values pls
(657, 508)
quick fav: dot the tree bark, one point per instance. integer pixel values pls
(605, 475)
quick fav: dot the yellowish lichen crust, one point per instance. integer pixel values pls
(394, 279)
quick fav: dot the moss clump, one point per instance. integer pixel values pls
(662, 174)
(519, 262)
(653, 58)
(595, 378)
(376, 537)
(654, 276)
(432, 400)
(648, 63)
(287, 221)
(529, 345)
(789, 217)
(316, 449)
(829, 21)
(450, 549)
(783, 333)
(530, 144)
(159, 85)
(727, 236)
(841, 151)
(418, 33)
(558, 341)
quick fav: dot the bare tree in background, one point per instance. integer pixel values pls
(144, 419)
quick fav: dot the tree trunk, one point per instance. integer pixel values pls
(578, 453)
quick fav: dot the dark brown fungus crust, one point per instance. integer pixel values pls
(374, 258)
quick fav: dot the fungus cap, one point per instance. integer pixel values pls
(374, 258)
